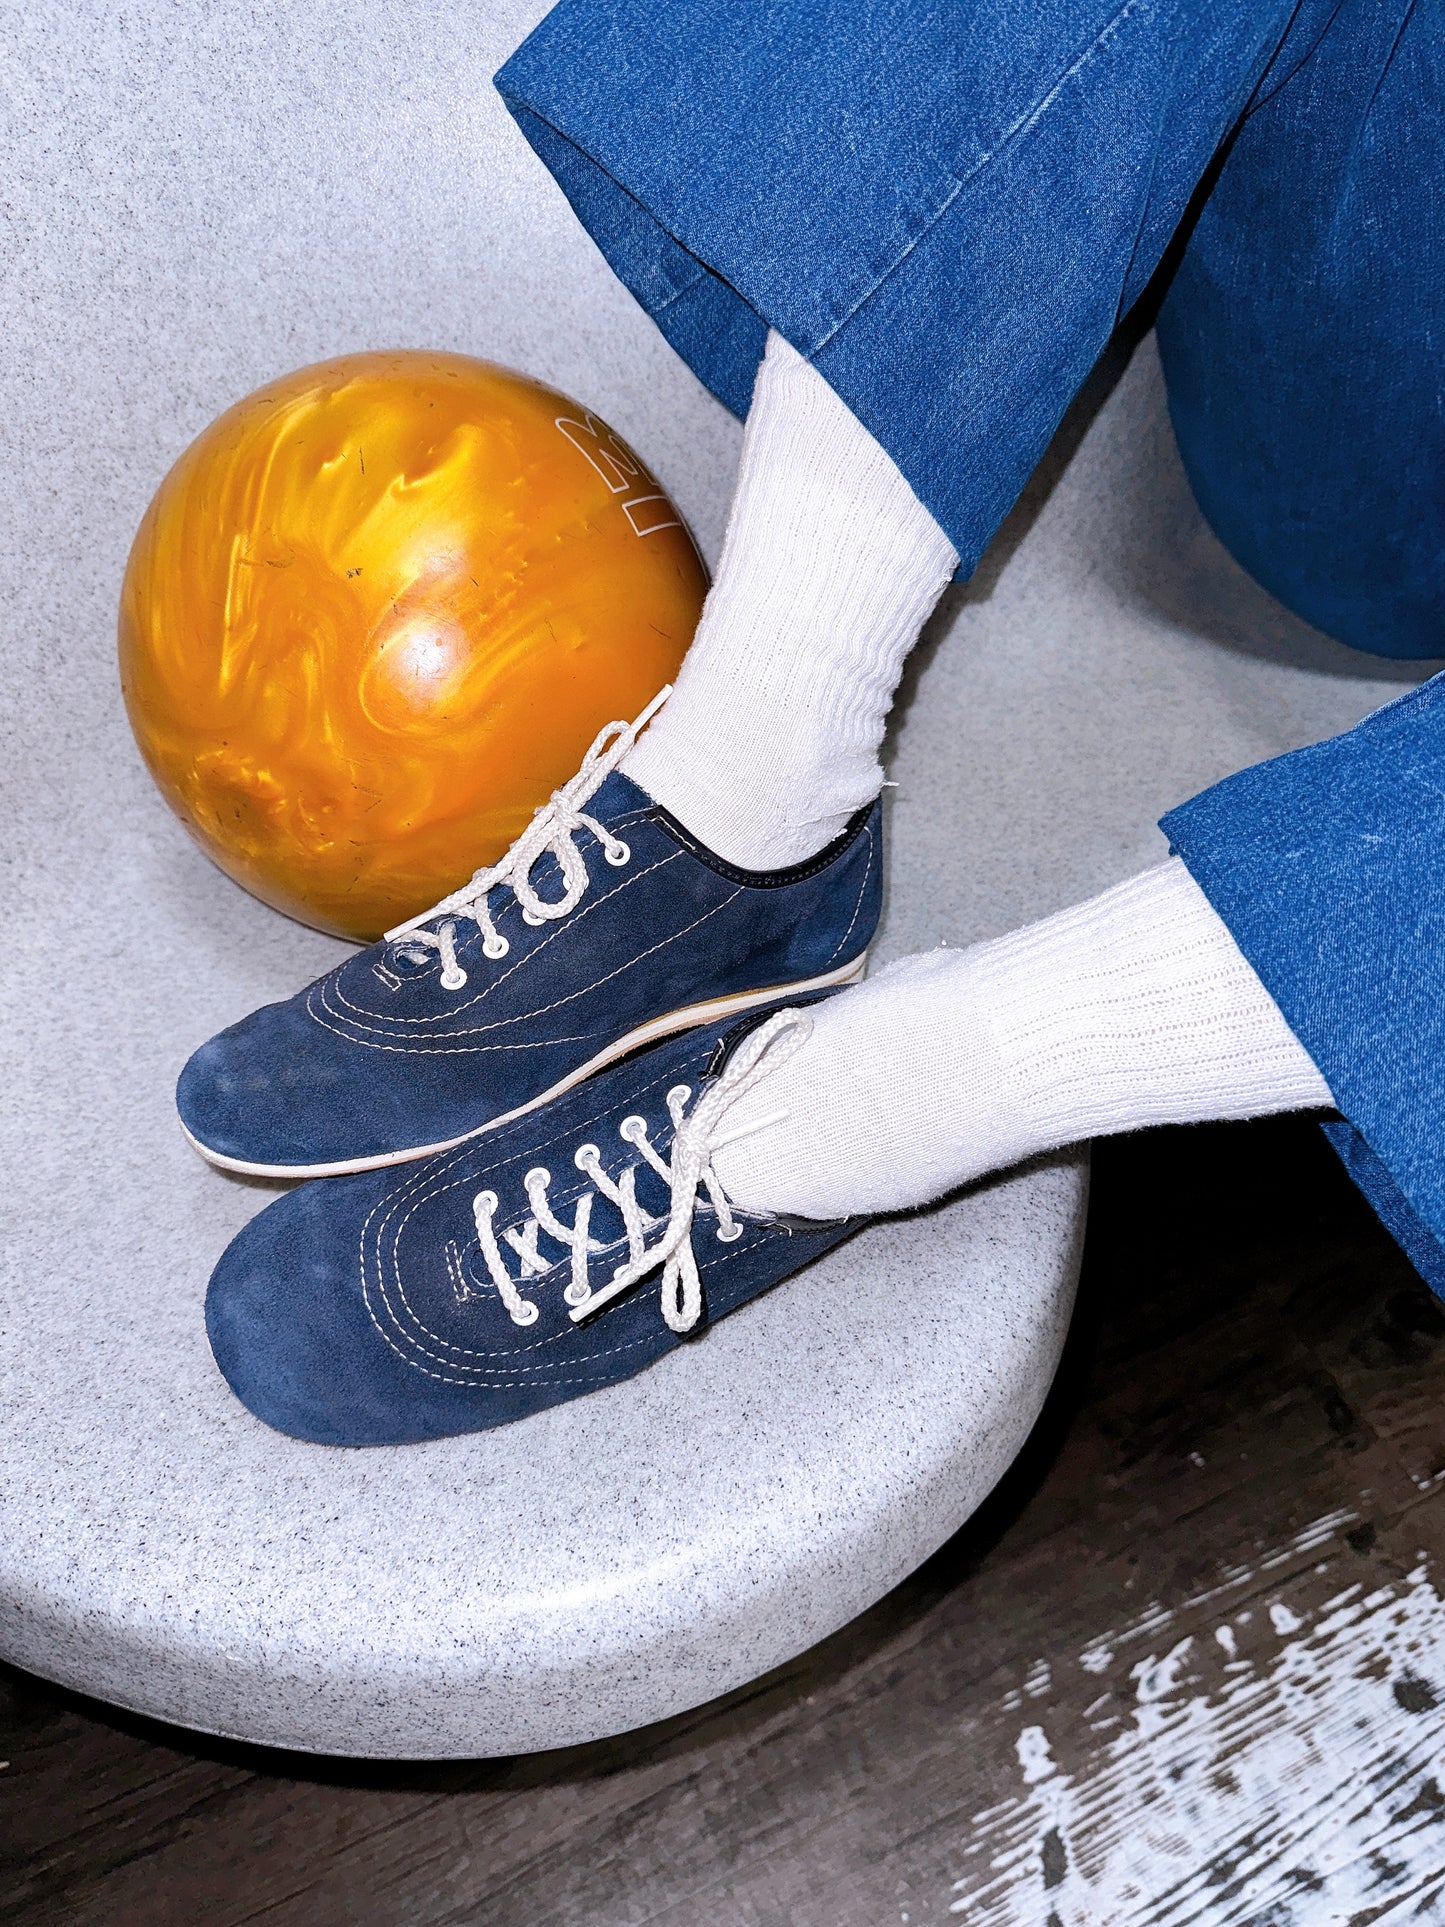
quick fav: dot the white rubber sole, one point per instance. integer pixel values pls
(688, 1018)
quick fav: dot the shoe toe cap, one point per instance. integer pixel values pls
(289, 1327)
(262, 1093)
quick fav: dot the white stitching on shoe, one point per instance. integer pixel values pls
(695, 1139)
(696, 1136)
(862, 893)
(508, 911)
(342, 1024)
(432, 1048)
(375, 1019)
(426, 1182)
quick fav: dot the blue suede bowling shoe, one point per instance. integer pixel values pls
(564, 1251)
(602, 929)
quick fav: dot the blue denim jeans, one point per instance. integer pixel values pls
(949, 209)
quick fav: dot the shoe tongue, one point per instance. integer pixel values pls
(614, 796)
(607, 1225)
(546, 876)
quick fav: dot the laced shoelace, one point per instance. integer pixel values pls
(553, 828)
(697, 1137)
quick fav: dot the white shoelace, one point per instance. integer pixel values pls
(553, 827)
(697, 1136)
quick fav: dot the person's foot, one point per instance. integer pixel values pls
(605, 927)
(561, 1253)
(1135, 1008)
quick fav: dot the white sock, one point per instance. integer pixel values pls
(1135, 1008)
(830, 566)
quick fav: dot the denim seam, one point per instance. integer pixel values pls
(704, 273)
(1144, 201)
(595, 159)
(1010, 137)
(1338, 213)
(1261, 97)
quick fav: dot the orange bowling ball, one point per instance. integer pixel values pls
(375, 615)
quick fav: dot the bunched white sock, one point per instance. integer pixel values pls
(1135, 1008)
(830, 566)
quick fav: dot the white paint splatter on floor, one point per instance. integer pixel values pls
(1279, 1765)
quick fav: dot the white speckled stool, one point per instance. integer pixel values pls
(197, 199)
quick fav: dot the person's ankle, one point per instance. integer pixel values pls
(897, 1097)
(732, 814)
(1133, 1009)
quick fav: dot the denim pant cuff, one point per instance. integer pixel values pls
(1325, 865)
(947, 218)
(719, 334)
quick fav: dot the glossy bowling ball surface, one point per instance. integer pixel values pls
(376, 613)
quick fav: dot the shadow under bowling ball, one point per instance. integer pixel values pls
(376, 613)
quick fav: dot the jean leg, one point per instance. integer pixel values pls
(1325, 865)
(945, 206)
(1303, 338)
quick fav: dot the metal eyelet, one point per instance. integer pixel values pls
(726, 1237)
(453, 977)
(495, 947)
(618, 853)
(530, 916)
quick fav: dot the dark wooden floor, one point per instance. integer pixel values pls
(1184, 1667)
